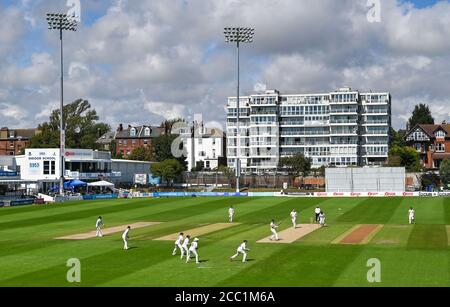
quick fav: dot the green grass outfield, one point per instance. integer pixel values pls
(410, 255)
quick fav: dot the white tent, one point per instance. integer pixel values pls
(101, 184)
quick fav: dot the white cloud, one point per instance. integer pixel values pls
(174, 51)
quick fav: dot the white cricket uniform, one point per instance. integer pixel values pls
(231, 214)
(412, 216)
(178, 245)
(317, 211)
(184, 247)
(294, 218)
(98, 226)
(192, 249)
(125, 238)
(242, 249)
(322, 219)
(273, 229)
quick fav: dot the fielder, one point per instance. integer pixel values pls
(126, 237)
(273, 229)
(294, 218)
(231, 214)
(412, 216)
(193, 249)
(178, 243)
(184, 246)
(317, 211)
(322, 219)
(242, 249)
(98, 226)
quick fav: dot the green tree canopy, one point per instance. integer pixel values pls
(168, 170)
(444, 172)
(398, 138)
(162, 149)
(141, 154)
(420, 115)
(169, 123)
(404, 156)
(296, 165)
(81, 125)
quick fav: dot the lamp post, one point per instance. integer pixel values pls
(238, 35)
(62, 22)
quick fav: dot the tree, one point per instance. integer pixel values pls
(444, 172)
(297, 165)
(168, 124)
(81, 127)
(168, 170)
(420, 115)
(397, 138)
(404, 156)
(162, 149)
(141, 154)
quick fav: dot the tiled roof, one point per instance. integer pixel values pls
(430, 129)
(140, 132)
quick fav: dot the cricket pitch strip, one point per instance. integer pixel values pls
(199, 231)
(107, 231)
(291, 235)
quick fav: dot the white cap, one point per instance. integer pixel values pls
(196, 239)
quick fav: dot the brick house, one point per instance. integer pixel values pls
(432, 142)
(134, 137)
(14, 141)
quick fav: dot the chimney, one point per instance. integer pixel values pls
(444, 122)
(120, 128)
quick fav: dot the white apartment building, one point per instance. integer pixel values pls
(204, 146)
(341, 128)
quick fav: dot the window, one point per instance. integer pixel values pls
(46, 167)
(147, 131)
(133, 132)
(53, 167)
(440, 134)
(200, 141)
(208, 164)
(440, 147)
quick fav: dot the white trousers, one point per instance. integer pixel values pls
(184, 250)
(294, 222)
(237, 254)
(274, 234)
(322, 222)
(231, 218)
(98, 233)
(189, 255)
(125, 243)
(411, 220)
(177, 246)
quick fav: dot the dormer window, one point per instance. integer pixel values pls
(147, 131)
(133, 132)
(440, 134)
(11, 134)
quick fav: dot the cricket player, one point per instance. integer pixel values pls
(184, 246)
(231, 214)
(193, 249)
(273, 229)
(317, 211)
(294, 218)
(126, 237)
(412, 215)
(322, 219)
(178, 243)
(98, 226)
(242, 249)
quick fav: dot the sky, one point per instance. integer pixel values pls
(140, 62)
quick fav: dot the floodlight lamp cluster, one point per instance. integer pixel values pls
(61, 22)
(239, 35)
